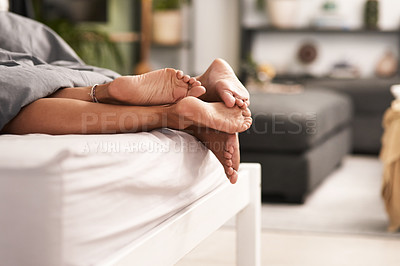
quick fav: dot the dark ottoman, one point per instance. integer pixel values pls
(298, 139)
(370, 98)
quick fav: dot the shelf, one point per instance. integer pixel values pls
(255, 24)
(306, 78)
(181, 45)
(124, 37)
(269, 29)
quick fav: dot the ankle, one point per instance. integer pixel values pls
(102, 93)
(175, 118)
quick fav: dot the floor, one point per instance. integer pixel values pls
(298, 248)
(349, 201)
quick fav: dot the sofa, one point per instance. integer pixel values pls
(370, 98)
(298, 139)
(294, 164)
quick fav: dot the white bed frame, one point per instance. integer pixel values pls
(173, 239)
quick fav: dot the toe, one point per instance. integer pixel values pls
(228, 98)
(247, 124)
(229, 170)
(196, 83)
(233, 177)
(196, 91)
(192, 81)
(228, 155)
(246, 112)
(228, 162)
(239, 102)
(186, 78)
(230, 149)
(245, 105)
(179, 74)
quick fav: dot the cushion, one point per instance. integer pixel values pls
(295, 122)
(369, 96)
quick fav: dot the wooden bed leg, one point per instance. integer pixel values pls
(248, 222)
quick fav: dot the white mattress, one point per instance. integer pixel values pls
(76, 199)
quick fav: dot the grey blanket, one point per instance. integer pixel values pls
(35, 62)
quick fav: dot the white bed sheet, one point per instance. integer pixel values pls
(76, 199)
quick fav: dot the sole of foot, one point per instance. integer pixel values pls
(164, 86)
(221, 80)
(193, 111)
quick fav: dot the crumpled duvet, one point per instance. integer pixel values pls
(35, 62)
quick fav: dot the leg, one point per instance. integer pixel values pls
(158, 87)
(69, 116)
(223, 85)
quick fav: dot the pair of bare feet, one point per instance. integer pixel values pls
(215, 104)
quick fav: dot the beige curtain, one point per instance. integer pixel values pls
(390, 156)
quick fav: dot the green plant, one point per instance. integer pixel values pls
(92, 45)
(260, 4)
(250, 68)
(160, 5)
(258, 73)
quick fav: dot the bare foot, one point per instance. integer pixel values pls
(223, 85)
(225, 147)
(193, 111)
(164, 86)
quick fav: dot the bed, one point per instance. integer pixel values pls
(125, 199)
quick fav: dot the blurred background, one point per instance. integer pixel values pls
(353, 36)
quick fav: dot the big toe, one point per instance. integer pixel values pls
(228, 99)
(196, 91)
(179, 74)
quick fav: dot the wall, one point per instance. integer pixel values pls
(216, 33)
(212, 30)
(362, 50)
(4, 5)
